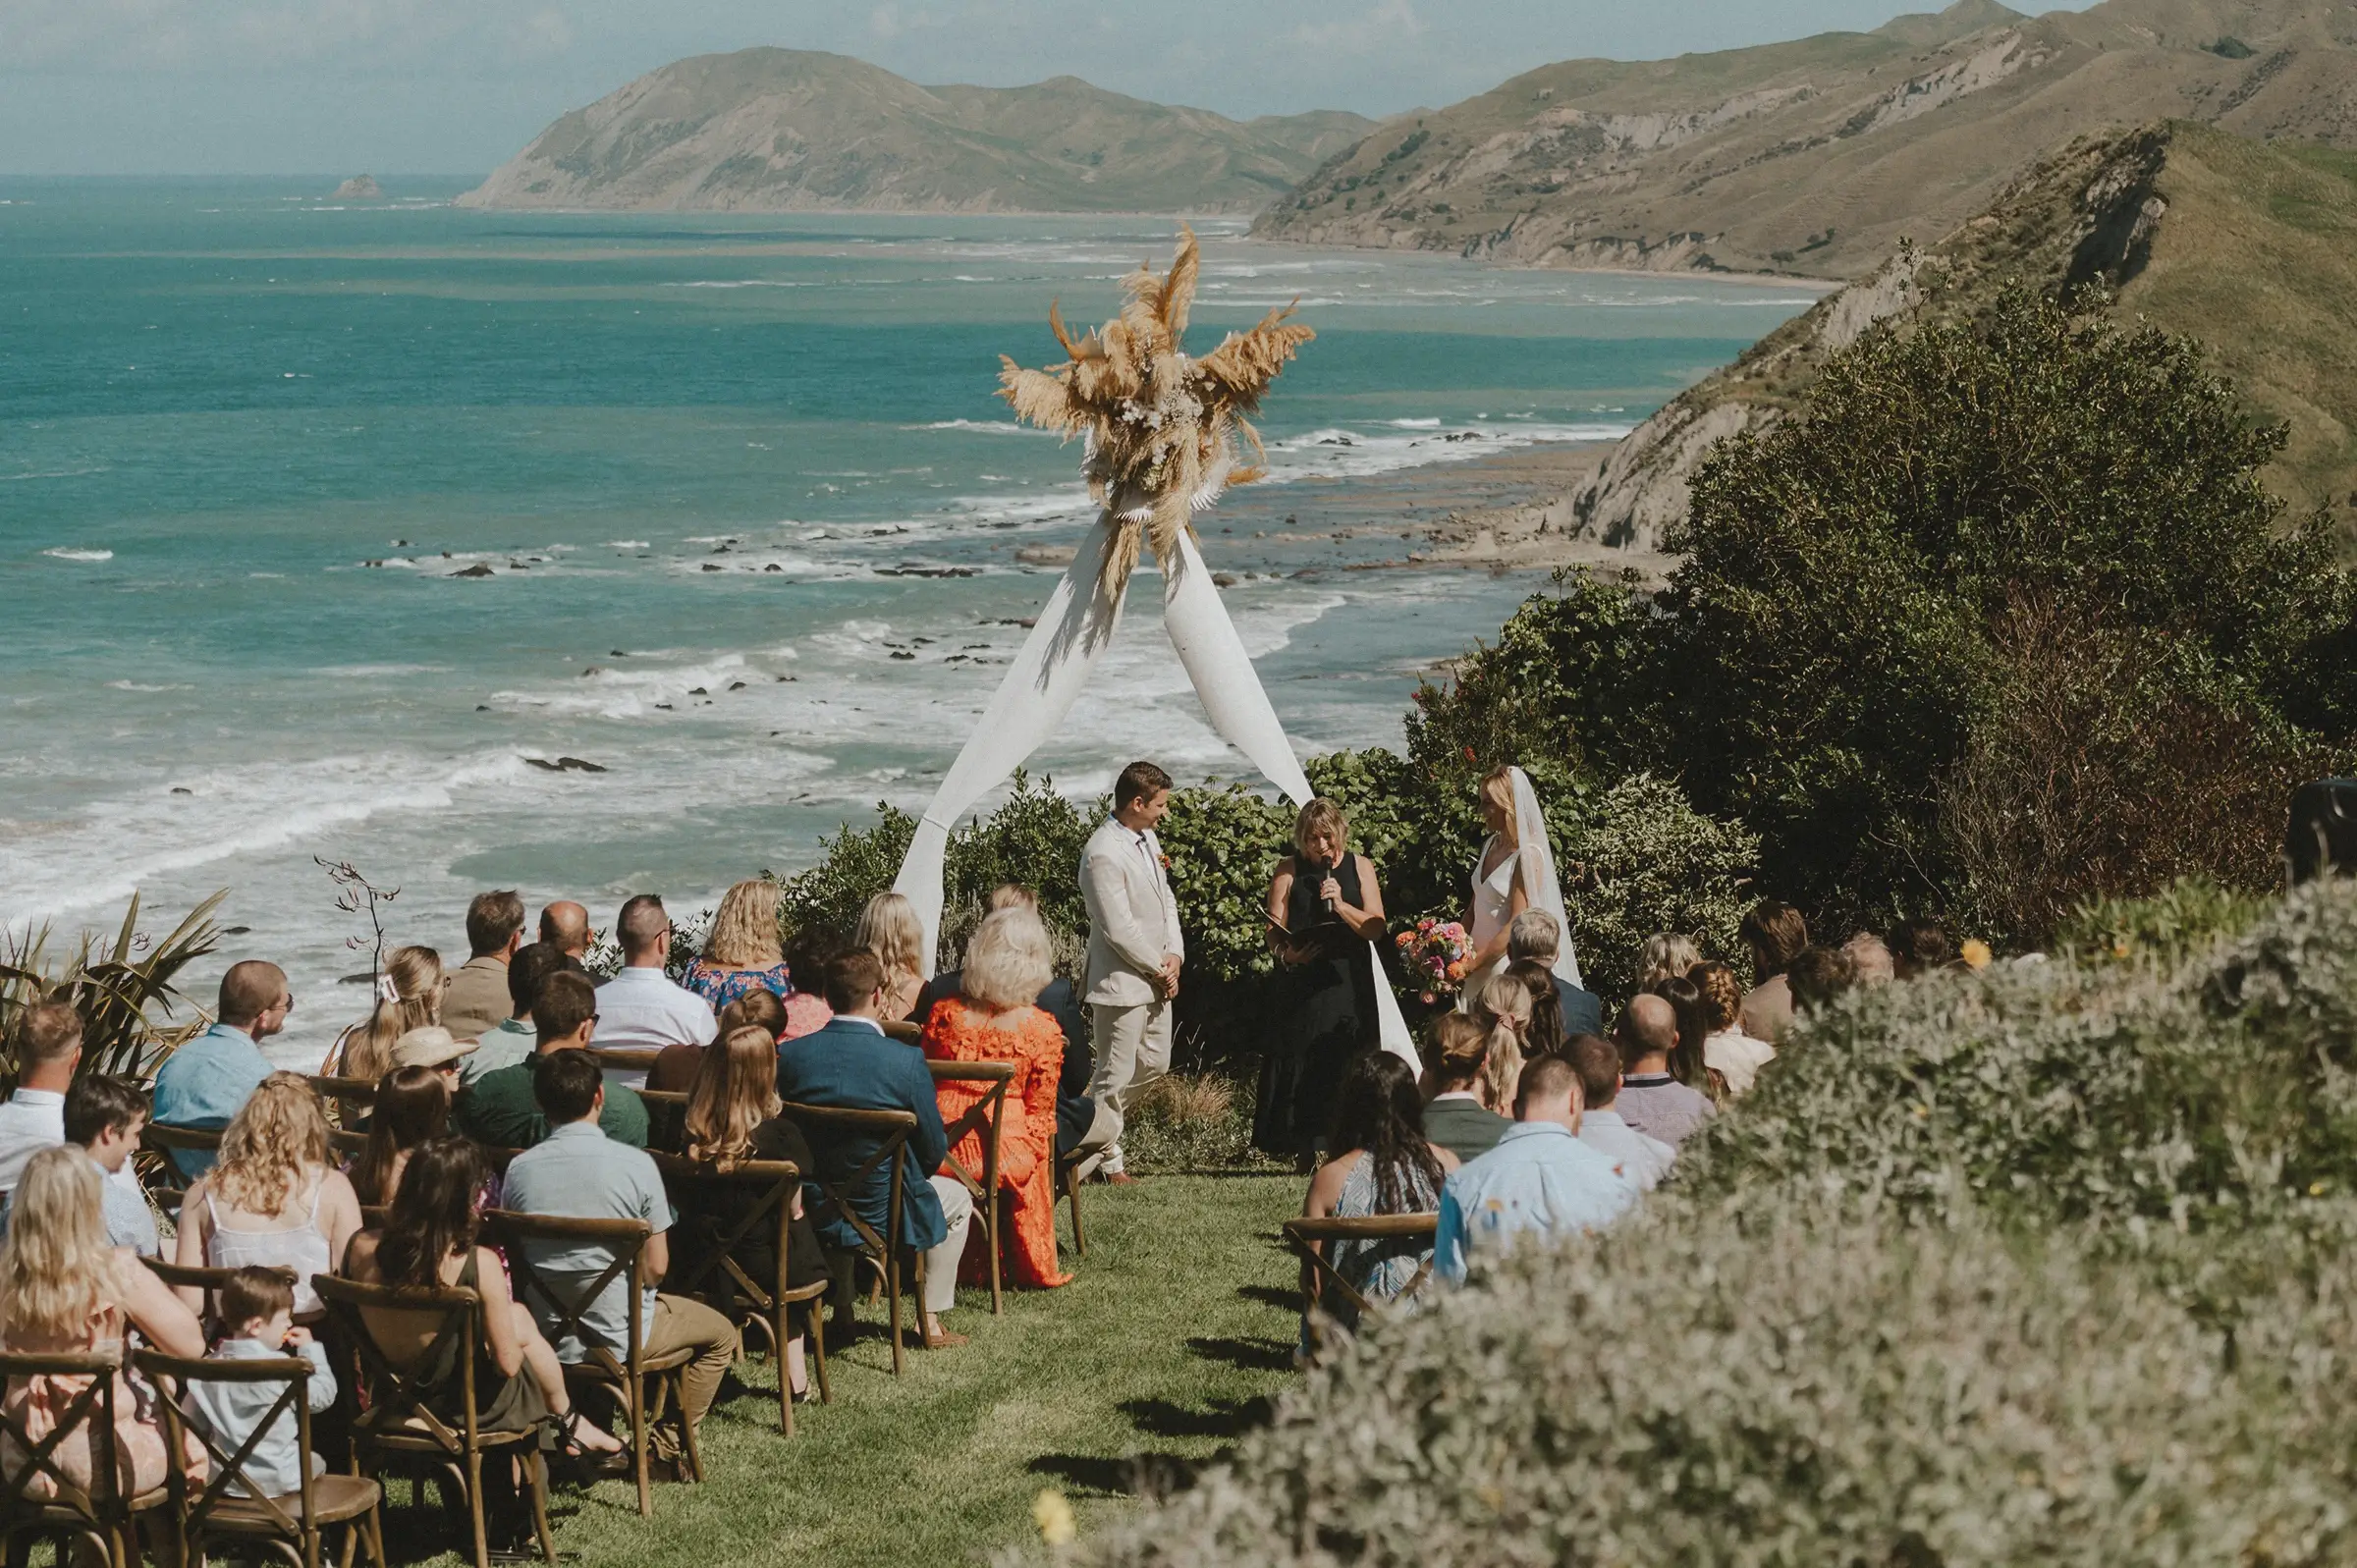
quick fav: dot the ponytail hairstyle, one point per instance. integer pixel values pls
(1544, 1035)
(1455, 1053)
(1504, 1005)
(1694, 1015)
(408, 996)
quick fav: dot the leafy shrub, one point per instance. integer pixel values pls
(1641, 860)
(126, 991)
(2209, 1094)
(2189, 915)
(1797, 1381)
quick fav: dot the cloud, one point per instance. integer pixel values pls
(1379, 29)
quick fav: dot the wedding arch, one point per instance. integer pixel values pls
(1164, 434)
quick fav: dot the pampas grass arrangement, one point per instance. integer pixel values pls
(1165, 433)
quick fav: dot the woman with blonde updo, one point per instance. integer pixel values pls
(63, 1290)
(888, 928)
(996, 1017)
(409, 996)
(273, 1201)
(1666, 955)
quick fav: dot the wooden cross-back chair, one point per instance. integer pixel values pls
(98, 1515)
(1310, 1238)
(666, 1120)
(908, 1031)
(351, 1098)
(721, 1280)
(1070, 1179)
(401, 1422)
(289, 1523)
(163, 1177)
(643, 1381)
(630, 1061)
(891, 1130)
(987, 1117)
(188, 1276)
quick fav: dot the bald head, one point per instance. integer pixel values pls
(255, 998)
(1647, 1032)
(565, 925)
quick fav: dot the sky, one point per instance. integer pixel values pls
(456, 86)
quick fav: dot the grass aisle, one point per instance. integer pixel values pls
(1178, 1329)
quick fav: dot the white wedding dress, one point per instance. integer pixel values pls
(1493, 894)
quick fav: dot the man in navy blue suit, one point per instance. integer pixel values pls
(1535, 936)
(851, 1064)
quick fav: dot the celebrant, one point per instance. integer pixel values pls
(1325, 913)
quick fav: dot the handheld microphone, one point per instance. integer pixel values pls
(1333, 871)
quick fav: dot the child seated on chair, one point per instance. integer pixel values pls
(258, 1323)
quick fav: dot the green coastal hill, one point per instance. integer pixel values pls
(785, 129)
(1815, 157)
(2249, 248)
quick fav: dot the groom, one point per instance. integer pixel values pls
(1135, 951)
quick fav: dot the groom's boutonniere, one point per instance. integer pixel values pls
(1166, 859)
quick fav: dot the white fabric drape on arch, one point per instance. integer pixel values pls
(1045, 679)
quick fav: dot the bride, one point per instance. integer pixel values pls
(1516, 872)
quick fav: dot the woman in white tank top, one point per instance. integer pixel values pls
(274, 1201)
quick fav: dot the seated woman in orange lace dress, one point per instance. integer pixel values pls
(993, 1019)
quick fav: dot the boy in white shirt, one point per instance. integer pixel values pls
(257, 1321)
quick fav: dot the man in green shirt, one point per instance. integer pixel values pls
(500, 1108)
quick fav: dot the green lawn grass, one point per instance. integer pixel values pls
(1177, 1331)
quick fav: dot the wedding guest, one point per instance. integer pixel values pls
(1920, 946)
(1539, 1178)
(1730, 1056)
(274, 1200)
(1651, 1099)
(502, 1110)
(1775, 932)
(514, 1040)
(731, 1117)
(1135, 952)
(477, 998)
(1536, 937)
(1643, 1158)
(258, 1323)
(1381, 1164)
(48, 1049)
(994, 1017)
(578, 1172)
(1504, 1010)
(104, 1117)
(205, 1082)
(412, 1110)
(1456, 1118)
(888, 928)
(641, 1008)
(1666, 953)
(1325, 913)
(741, 951)
(1075, 1112)
(851, 1064)
(1871, 963)
(1816, 976)
(1688, 1058)
(565, 926)
(63, 1290)
(428, 1242)
(435, 1049)
(806, 1010)
(676, 1071)
(409, 996)
(1544, 1034)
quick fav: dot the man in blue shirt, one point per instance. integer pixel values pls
(208, 1080)
(1539, 1177)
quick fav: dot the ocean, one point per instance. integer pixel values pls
(750, 515)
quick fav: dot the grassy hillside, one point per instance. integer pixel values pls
(785, 130)
(1816, 157)
(2249, 248)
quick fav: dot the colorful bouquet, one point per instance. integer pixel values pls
(1436, 953)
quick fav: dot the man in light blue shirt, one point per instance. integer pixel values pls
(208, 1080)
(1539, 1177)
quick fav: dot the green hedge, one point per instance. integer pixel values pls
(2049, 1264)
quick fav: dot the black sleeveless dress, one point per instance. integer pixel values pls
(1326, 1018)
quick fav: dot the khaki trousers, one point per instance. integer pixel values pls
(684, 1325)
(1133, 1049)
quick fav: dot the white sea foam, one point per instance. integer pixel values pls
(988, 427)
(67, 552)
(135, 685)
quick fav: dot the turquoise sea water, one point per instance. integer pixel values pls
(248, 437)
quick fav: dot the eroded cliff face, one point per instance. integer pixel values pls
(1815, 158)
(2088, 215)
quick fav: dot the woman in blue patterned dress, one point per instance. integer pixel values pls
(1384, 1166)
